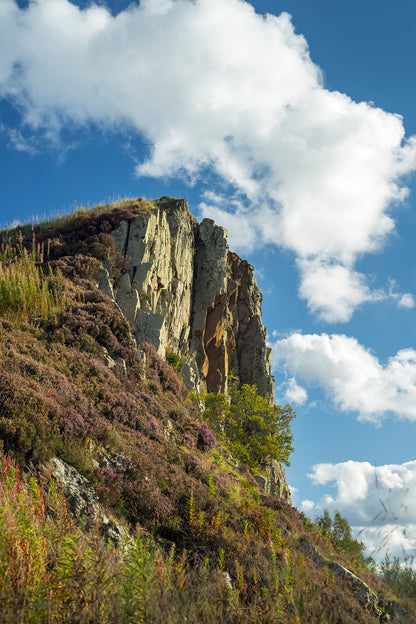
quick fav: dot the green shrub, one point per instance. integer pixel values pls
(400, 577)
(251, 427)
(174, 360)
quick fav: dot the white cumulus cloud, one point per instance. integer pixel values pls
(406, 301)
(353, 378)
(333, 290)
(293, 392)
(403, 300)
(211, 85)
(378, 502)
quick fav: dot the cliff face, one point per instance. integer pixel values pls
(185, 291)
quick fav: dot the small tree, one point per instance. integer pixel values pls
(324, 523)
(251, 427)
(341, 535)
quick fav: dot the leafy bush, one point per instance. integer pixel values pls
(251, 426)
(174, 360)
(400, 577)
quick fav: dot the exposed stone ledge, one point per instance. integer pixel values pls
(275, 483)
(386, 610)
(82, 500)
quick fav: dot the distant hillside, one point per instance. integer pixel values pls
(126, 497)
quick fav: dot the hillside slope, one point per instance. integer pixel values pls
(119, 502)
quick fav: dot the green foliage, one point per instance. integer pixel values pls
(400, 577)
(324, 523)
(174, 360)
(252, 428)
(25, 292)
(339, 530)
(49, 570)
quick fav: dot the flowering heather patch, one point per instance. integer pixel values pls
(78, 266)
(95, 322)
(163, 376)
(152, 405)
(194, 466)
(293, 518)
(146, 501)
(84, 232)
(206, 439)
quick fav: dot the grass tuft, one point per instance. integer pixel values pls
(26, 292)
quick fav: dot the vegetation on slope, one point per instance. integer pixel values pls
(205, 545)
(250, 427)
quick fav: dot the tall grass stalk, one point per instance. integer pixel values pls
(25, 291)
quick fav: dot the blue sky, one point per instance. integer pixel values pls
(297, 134)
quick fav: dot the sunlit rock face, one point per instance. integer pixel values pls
(185, 291)
(156, 293)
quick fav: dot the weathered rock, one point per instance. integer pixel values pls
(168, 428)
(82, 500)
(110, 363)
(127, 298)
(274, 483)
(79, 493)
(160, 247)
(190, 374)
(114, 461)
(278, 483)
(262, 482)
(309, 550)
(209, 310)
(253, 357)
(112, 531)
(103, 282)
(186, 291)
(152, 327)
(366, 597)
(141, 361)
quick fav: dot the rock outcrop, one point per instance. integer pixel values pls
(274, 483)
(365, 596)
(82, 500)
(186, 292)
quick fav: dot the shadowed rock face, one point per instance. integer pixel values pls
(244, 301)
(185, 291)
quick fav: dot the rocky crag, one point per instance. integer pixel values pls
(185, 291)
